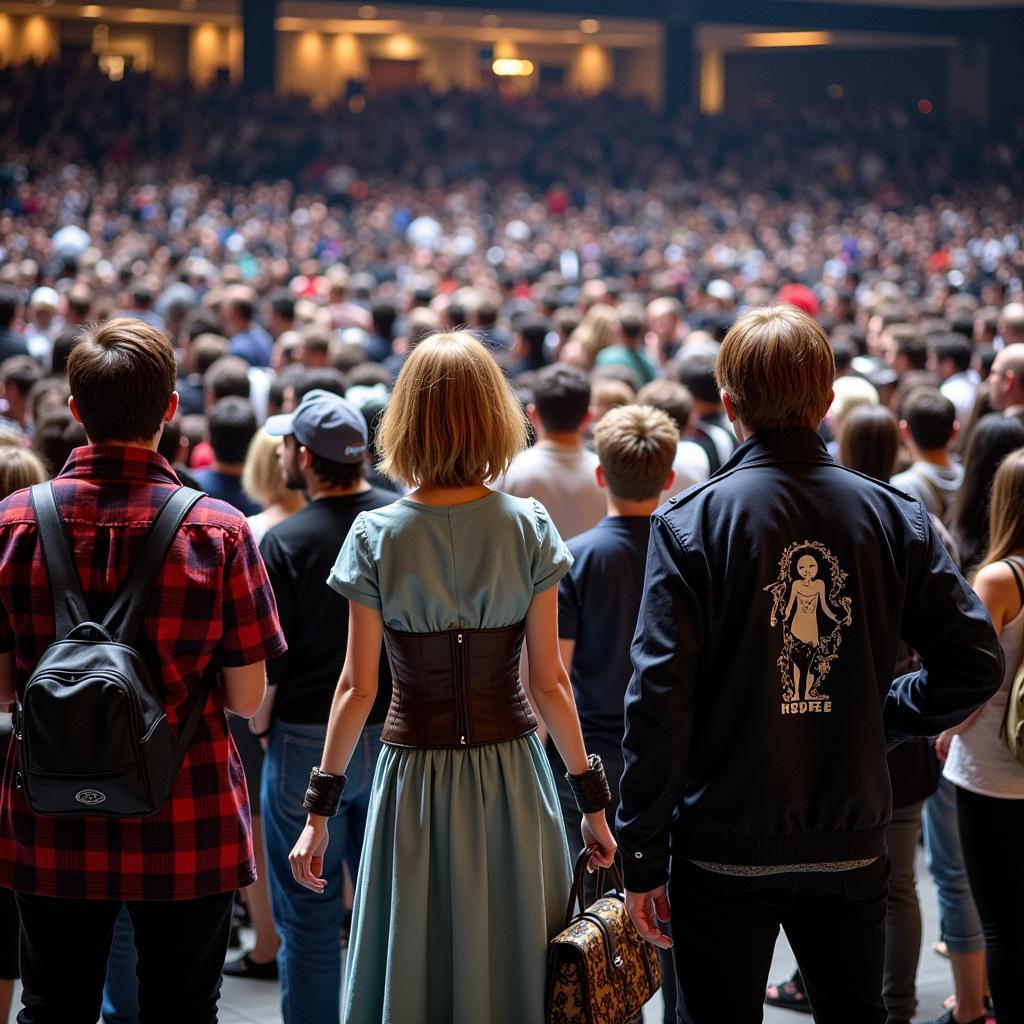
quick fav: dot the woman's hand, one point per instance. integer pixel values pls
(307, 856)
(598, 835)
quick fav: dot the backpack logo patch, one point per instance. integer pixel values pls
(809, 601)
(90, 797)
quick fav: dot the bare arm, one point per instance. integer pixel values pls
(357, 687)
(353, 699)
(549, 681)
(789, 607)
(243, 688)
(552, 694)
(997, 589)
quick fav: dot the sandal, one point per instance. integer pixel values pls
(788, 995)
(246, 967)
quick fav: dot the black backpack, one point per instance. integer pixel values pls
(92, 732)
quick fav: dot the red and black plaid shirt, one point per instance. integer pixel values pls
(211, 600)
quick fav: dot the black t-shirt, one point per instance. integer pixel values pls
(598, 603)
(299, 554)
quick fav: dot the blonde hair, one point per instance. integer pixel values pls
(19, 468)
(596, 331)
(777, 367)
(262, 479)
(1006, 515)
(452, 420)
(636, 445)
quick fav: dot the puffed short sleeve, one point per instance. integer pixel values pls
(550, 558)
(354, 575)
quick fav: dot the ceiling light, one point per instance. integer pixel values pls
(788, 38)
(512, 67)
(368, 11)
(590, 26)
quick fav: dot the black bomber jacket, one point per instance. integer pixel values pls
(762, 701)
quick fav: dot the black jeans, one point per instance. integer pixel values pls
(725, 927)
(992, 838)
(64, 948)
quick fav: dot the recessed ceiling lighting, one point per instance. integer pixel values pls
(368, 11)
(590, 26)
(188, 5)
(433, 17)
(91, 11)
(490, 20)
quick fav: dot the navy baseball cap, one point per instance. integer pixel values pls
(326, 424)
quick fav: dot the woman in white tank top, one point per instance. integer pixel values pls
(989, 780)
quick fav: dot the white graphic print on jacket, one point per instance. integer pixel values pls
(808, 601)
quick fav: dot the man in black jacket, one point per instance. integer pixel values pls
(760, 708)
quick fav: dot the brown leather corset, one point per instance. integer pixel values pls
(457, 688)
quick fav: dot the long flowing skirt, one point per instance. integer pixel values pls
(463, 879)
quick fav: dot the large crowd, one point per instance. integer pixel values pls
(601, 253)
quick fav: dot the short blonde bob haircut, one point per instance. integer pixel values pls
(777, 367)
(452, 420)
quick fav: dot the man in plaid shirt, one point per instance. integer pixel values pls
(176, 871)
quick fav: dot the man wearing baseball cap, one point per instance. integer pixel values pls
(323, 452)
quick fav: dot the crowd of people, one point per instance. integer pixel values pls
(365, 315)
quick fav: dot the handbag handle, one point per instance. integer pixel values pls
(579, 874)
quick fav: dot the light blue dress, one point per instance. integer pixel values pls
(464, 875)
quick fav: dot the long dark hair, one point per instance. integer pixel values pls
(869, 441)
(993, 439)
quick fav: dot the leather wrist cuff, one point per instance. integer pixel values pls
(591, 788)
(323, 795)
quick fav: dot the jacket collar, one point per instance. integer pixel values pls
(772, 447)
(117, 462)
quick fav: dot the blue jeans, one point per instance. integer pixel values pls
(309, 960)
(958, 916)
(121, 991)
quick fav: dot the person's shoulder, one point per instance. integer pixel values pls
(214, 514)
(17, 508)
(1001, 575)
(611, 537)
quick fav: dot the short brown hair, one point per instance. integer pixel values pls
(122, 376)
(636, 445)
(669, 397)
(452, 420)
(777, 367)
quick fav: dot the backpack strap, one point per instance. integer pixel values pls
(124, 619)
(69, 607)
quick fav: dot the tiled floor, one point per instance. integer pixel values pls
(256, 1002)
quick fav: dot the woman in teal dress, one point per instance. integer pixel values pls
(464, 875)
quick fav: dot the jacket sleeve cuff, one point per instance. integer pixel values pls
(642, 876)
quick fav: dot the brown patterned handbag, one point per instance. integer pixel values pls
(599, 969)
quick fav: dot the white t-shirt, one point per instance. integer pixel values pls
(691, 467)
(978, 760)
(562, 479)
